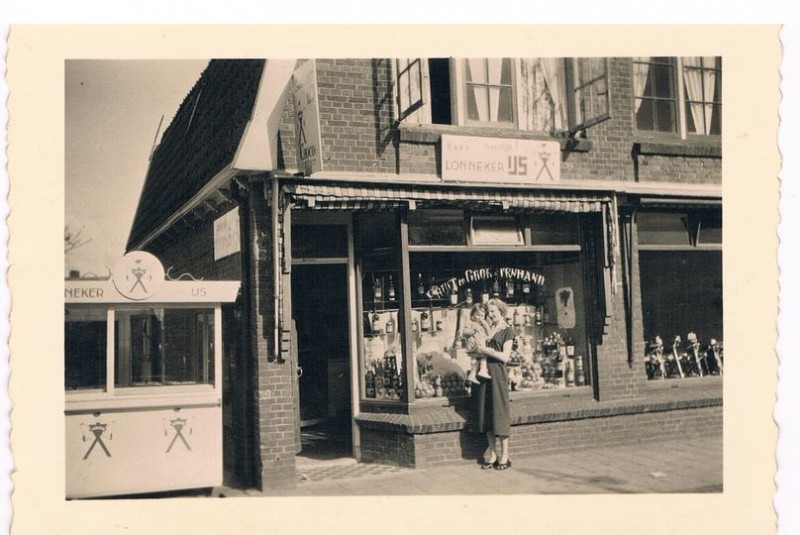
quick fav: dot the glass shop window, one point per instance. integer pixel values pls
(436, 227)
(656, 228)
(681, 285)
(378, 243)
(159, 346)
(319, 241)
(553, 229)
(544, 295)
(709, 229)
(85, 339)
(496, 230)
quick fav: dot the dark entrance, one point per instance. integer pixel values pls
(319, 305)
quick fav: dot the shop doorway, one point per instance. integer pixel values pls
(320, 310)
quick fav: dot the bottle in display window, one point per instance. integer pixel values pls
(382, 363)
(545, 354)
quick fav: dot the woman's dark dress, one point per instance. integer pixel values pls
(490, 397)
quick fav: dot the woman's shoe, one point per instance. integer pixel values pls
(502, 466)
(487, 465)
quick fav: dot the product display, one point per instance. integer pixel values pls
(539, 361)
(681, 360)
(442, 335)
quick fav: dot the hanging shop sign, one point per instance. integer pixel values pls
(498, 160)
(306, 118)
(226, 234)
(471, 276)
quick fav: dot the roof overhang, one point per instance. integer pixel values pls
(258, 148)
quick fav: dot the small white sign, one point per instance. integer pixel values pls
(226, 235)
(499, 160)
(565, 308)
(306, 118)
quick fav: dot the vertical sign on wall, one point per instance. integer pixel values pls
(306, 118)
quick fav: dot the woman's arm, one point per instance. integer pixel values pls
(502, 356)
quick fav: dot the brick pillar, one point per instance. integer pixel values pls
(273, 396)
(618, 377)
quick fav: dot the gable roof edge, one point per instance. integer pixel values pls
(258, 148)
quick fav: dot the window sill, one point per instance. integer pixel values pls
(432, 134)
(697, 147)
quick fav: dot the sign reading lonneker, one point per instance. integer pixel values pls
(496, 160)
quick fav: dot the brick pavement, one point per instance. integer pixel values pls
(682, 465)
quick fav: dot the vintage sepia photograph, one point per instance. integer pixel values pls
(384, 276)
(396, 279)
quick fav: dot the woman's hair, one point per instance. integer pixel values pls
(499, 304)
(479, 309)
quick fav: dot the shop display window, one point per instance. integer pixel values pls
(545, 301)
(382, 375)
(681, 289)
(85, 339)
(531, 262)
(159, 346)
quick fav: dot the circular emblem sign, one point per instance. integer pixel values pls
(138, 275)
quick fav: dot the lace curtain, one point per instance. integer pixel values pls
(543, 95)
(700, 86)
(640, 72)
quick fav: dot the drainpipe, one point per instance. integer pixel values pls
(276, 264)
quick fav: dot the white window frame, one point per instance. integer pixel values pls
(680, 94)
(422, 114)
(575, 119)
(458, 86)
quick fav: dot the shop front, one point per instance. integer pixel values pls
(390, 274)
(421, 258)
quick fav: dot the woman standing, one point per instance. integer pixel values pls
(491, 395)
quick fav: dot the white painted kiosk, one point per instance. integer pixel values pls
(143, 381)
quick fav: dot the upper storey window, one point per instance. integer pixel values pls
(552, 95)
(678, 95)
(489, 91)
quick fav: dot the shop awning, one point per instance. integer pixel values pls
(373, 197)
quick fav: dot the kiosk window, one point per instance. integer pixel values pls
(85, 338)
(164, 347)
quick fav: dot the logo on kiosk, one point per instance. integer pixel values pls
(179, 426)
(138, 275)
(96, 431)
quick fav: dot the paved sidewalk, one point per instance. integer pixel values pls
(683, 465)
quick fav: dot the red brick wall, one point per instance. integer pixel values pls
(436, 449)
(355, 105)
(611, 154)
(387, 447)
(274, 392)
(359, 134)
(190, 249)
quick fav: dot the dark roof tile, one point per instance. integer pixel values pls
(201, 140)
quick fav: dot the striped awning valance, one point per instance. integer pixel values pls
(374, 197)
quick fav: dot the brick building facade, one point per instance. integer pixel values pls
(638, 187)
